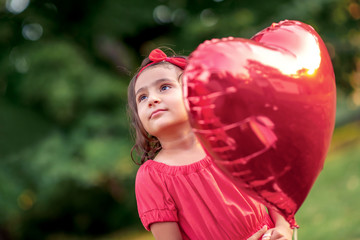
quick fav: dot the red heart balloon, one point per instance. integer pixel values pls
(264, 109)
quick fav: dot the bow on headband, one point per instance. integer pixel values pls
(157, 56)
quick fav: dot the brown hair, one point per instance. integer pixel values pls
(146, 146)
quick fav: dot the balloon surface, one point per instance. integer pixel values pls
(264, 109)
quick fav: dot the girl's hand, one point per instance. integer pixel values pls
(278, 233)
(258, 234)
(282, 229)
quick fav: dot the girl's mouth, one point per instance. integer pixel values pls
(156, 112)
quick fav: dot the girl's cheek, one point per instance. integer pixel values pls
(141, 114)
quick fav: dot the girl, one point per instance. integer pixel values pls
(180, 192)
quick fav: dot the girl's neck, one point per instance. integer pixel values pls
(180, 148)
(178, 140)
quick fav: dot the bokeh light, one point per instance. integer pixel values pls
(32, 31)
(353, 183)
(17, 6)
(208, 17)
(19, 61)
(162, 14)
(179, 16)
(354, 10)
(26, 199)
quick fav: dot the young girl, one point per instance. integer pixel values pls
(180, 192)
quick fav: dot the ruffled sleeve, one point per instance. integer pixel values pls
(153, 199)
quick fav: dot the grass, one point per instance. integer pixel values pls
(331, 210)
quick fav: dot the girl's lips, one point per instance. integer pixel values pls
(156, 112)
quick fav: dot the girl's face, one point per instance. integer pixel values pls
(159, 99)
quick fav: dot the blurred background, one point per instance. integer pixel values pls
(65, 167)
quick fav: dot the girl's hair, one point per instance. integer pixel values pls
(146, 146)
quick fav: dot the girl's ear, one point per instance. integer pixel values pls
(180, 78)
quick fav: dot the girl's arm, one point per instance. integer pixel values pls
(282, 228)
(166, 231)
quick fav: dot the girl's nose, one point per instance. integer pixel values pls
(154, 100)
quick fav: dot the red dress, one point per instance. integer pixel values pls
(200, 198)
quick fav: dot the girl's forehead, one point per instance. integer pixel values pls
(154, 73)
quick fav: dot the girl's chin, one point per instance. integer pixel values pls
(166, 127)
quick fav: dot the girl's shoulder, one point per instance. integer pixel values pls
(151, 167)
(145, 170)
(147, 178)
(153, 175)
(150, 174)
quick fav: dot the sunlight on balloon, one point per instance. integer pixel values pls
(16, 6)
(311, 71)
(311, 58)
(306, 62)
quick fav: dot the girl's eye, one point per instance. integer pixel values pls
(165, 87)
(142, 98)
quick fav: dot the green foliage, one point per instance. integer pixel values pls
(59, 80)
(64, 137)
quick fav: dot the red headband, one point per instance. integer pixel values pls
(157, 56)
